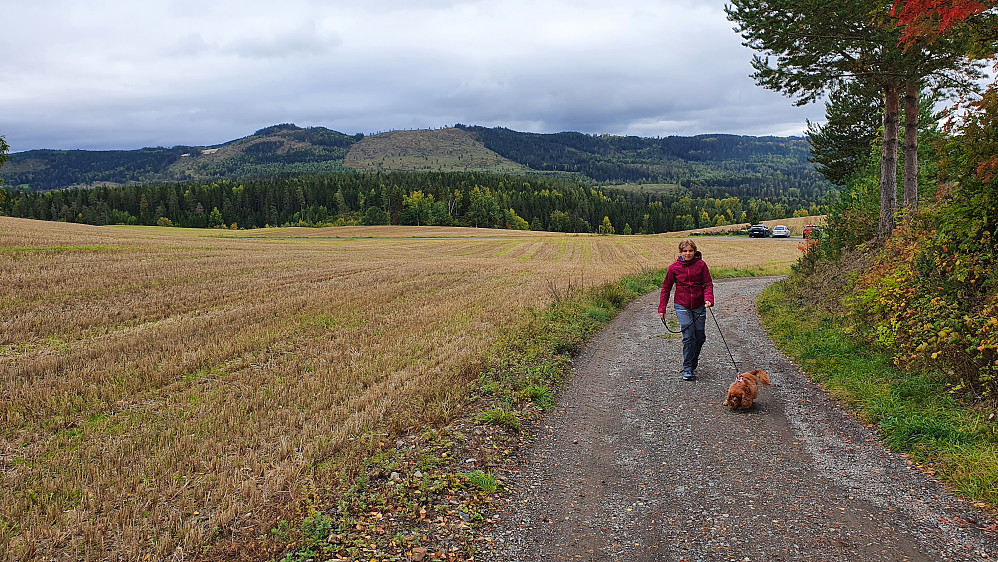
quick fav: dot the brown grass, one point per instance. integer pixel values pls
(163, 387)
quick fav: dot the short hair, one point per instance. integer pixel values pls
(689, 243)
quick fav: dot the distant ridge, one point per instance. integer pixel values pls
(741, 166)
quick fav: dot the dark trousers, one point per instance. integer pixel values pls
(692, 322)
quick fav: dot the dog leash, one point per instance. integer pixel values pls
(733, 362)
(688, 326)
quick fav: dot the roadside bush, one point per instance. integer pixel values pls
(934, 295)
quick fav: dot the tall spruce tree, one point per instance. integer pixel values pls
(842, 144)
(4, 148)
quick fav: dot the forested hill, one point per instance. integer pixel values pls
(706, 165)
(273, 150)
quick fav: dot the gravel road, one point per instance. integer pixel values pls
(636, 464)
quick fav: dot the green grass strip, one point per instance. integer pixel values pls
(916, 413)
(534, 359)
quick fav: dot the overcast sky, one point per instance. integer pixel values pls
(110, 74)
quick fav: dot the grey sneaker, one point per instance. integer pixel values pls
(689, 376)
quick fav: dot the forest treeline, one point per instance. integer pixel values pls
(409, 198)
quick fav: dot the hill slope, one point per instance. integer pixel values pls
(427, 150)
(706, 165)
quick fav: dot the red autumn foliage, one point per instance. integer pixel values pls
(988, 170)
(924, 18)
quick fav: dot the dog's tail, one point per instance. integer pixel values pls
(763, 376)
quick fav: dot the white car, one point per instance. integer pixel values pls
(780, 231)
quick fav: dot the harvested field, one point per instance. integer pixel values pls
(163, 387)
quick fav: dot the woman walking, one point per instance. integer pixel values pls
(694, 293)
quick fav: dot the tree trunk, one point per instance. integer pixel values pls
(911, 148)
(889, 161)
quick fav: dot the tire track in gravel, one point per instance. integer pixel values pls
(636, 464)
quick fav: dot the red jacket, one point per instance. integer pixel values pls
(692, 281)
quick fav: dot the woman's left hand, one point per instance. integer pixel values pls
(708, 304)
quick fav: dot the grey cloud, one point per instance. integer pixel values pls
(190, 45)
(303, 41)
(358, 68)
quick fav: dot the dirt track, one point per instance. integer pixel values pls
(637, 464)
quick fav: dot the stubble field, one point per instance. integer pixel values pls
(159, 386)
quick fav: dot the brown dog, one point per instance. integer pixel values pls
(745, 389)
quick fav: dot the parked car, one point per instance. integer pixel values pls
(811, 231)
(759, 231)
(781, 231)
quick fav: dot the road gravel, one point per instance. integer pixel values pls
(637, 464)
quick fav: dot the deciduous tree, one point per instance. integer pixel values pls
(215, 219)
(419, 203)
(606, 227)
(925, 18)
(375, 216)
(483, 209)
(970, 28)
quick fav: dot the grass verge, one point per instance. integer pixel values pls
(916, 413)
(761, 271)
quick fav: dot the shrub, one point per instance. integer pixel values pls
(933, 296)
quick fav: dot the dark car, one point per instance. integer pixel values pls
(758, 231)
